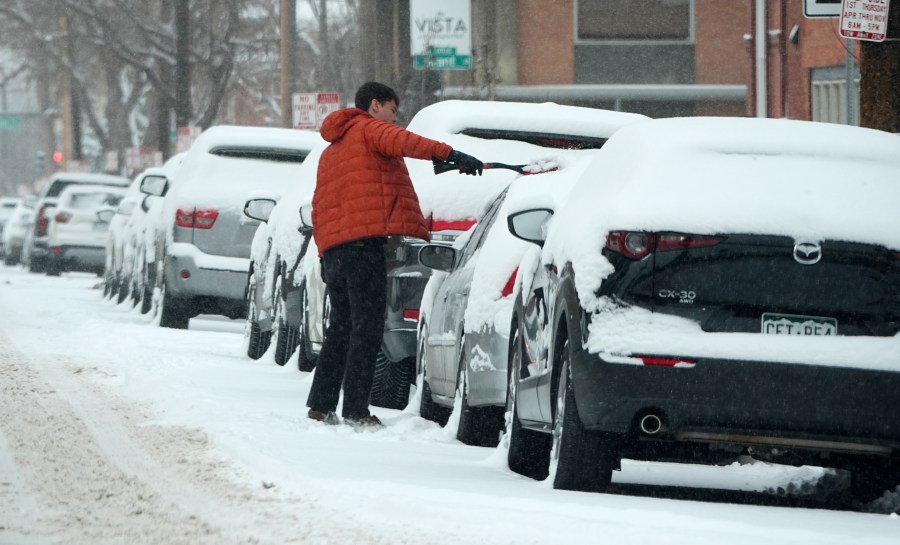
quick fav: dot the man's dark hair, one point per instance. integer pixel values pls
(372, 89)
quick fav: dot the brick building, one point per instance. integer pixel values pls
(658, 57)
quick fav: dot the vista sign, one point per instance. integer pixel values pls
(440, 34)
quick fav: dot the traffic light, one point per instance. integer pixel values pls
(57, 157)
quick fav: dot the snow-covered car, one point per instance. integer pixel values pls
(117, 270)
(76, 235)
(207, 236)
(35, 249)
(15, 230)
(277, 251)
(714, 285)
(467, 306)
(7, 206)
(149, 234)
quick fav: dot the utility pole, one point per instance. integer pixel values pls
(879, 75)
(288, 17)
(183, 109)
(64, 107)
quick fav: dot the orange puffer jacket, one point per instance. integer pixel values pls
(363, 188)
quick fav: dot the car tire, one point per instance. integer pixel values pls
(146, 294)
(390, 385)
(37, 265)
(174, 311)
(584, 459)
(259, 340)
(478, 426)
(428, 409)
(306, 360)
(871, 479)
(529, 450)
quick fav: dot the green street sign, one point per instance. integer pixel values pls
(442, 58)
(10, 122)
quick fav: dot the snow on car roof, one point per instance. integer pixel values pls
(223, 181)
(811, 181)
(452, 196)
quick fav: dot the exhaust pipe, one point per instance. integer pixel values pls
(651, 424)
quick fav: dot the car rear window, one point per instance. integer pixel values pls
(546, 140)
(283, 155)
(86, 201)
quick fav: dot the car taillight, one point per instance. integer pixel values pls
(411, 314)
(659, 361)
(676, 241)
(631, 244)
(195, 219)
(638, 244)
(40, 228)
(62, 217)
(508, 288)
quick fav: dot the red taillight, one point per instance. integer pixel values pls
(195, 219)
(42, 221)
(677, 241)
(508, 288)
(459, 225)
(638, 244)
(56, 250)
(666, 361)
(411, 314)
(62, 217)
(631, 244)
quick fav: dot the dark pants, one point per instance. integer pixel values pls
(357, 289)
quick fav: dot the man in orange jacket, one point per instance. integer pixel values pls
(363, 195)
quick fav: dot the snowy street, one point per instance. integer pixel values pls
(114, 430)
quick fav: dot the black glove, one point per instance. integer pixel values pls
(466, 163)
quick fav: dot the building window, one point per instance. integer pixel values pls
(632, 20)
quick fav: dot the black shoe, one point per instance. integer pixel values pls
(370, 421)
(327, 417)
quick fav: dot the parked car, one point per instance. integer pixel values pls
(15, 229)
(117, 272)
(76, 235)
(466, 310)
(277, 251)
(713, 286)
(7, 206)
(35, 250)
(207, 238)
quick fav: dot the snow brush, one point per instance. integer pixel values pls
(540, 167)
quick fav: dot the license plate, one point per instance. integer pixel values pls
(792, 324)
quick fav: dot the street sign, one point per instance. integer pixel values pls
(865, 19)
(440, 34)
(822, 8)
(310, 109)
(10, 122)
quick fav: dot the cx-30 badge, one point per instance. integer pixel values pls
(807, 253)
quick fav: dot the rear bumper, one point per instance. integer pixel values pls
(745, 402)
(191, 273)
(80, 256)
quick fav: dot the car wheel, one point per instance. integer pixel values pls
(428, 409)
(259, 340)
(584, 459)
(287, 335)
(174, 311)
(53, 268)
(529, 450)
(871, 479)
(390, 386)
(147, 291)
(306, 360)
(479, 426)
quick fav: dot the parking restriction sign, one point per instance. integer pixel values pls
(310, 109)
(865, 19)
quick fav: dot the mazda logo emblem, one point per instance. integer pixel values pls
(807, 253)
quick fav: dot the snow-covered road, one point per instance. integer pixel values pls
(114, 431)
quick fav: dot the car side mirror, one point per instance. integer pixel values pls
(106, 214)
(155, 184)
(259, 209)
(530, 225)
(437, 257)
(306, 223)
